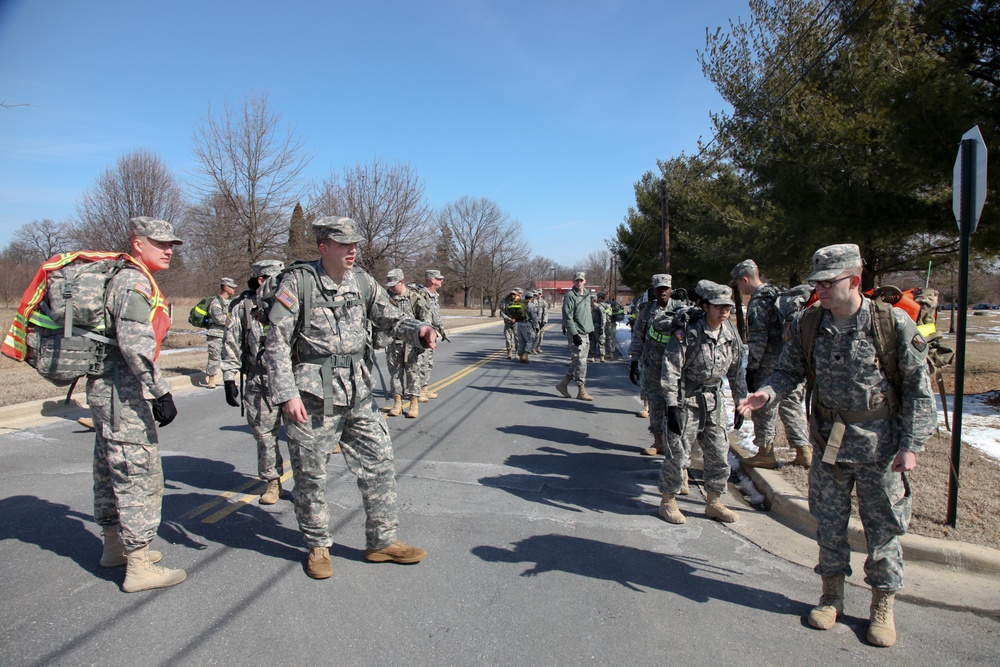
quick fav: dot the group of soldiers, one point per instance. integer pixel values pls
(524, 315)
(867, 417)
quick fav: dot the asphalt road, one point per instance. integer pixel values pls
(537, 512)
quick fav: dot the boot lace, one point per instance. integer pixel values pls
(880, 609)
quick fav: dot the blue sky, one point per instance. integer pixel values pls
(553, 109)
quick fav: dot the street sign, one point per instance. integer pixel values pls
(977, 181)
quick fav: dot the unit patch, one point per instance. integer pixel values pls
(918, 343)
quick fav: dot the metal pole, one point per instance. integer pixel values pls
(968, 197)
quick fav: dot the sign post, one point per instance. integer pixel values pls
(969, 196)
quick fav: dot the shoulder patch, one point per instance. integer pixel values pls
(679, 334)
(918, 343)
(287, 298)
(143, 289)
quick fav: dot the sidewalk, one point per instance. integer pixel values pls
(941, 573)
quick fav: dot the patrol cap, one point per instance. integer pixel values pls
(744, 268)
(718, 295)
(336, 228)
(661, 280)
(393, 277)
(700, 286)
(228, 282)
(831, 261)
(601, 295)
(152, 228)
(266, 267)
(433, 273)
(580, 275)
(518, 290)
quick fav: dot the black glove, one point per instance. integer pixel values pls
(633, 372)
(674, 419)
(751, 381)
(577, 340)
(232, 393)
(737, 421)
(164, 410)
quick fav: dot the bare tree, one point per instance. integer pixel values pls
(252, 165)
(503, 258)
(214, 245)
(139, 184)
(390, 207)
(475, 225)
(18, 264)
(598, 268)
(43, 238)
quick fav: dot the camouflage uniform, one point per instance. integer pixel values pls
(433, 317)
(848, 379)
(218, 311)
(765, 341)
(648, 346)
(597, 316)
(527, 328)
(347, 415)
(694, 364)
(243, 347)
(128, 475)
(610, 331)
(577, 320)
(543, 320)
(509, 336)
(401, 360)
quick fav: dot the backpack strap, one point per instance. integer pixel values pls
(887, 346)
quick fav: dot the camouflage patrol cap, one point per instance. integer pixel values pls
(518, 290)
(744, 268)
(717, 295)
(393, 278)
(151, 228)
(833, 260)
(701, 286)
(433, 273)
(662, 280)
(228, 282)
(266, 267)
(336, 228)
(580, 275)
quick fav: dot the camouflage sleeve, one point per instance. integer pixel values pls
(918, 412)
(638, 335)
(232, 341)
(503, 310)
(735, 375)
(673, 368)
(436, 321)
(284, 316)
(130, 306)
(217, 314)
(759, 316)
(791, 369)
(384, 314)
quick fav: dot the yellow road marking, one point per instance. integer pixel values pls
(229, 509)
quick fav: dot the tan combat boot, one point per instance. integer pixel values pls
(803, 457)
(430, 394)
(764, 458)
(422, 396)
(397, 406)
(272, 493)
(714, 509)
(397, 552)
(603, 360)
(318, 564)
(142, 575)
(668, 510)
(644, 413)
(413, 412)
(210, 381)
(831, 604)
(86, 422)
(882, 625)
(114, 551)
(581, 393)
(509, 355)
(657, 447)
(563, 387)
(537, 350)
(524, 358)
(685, 490)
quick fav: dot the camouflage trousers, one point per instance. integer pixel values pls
(509, 337)
(214, 355)
(650, 367)
(426, 366)
(791, 409)
(610, 339)
(597, 343)
(403, 365)
(265, 423)
(362, 433)
(538, 337)
(525, 337)
(714, 446)
(884, 503)
(578, 361)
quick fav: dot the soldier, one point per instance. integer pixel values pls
(402, 360)
(128, 475)
(543, 320)
(613, 314)
(597, 315)
(527, 328)
(578, 325)
(868, 421)
(218, 311)
(646, 352)
(433, 279)
(326, 396)
(765, 338)
(242, 352)
(509, 335)
(697, 358)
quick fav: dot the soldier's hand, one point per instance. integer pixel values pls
(751, 381)
(577, 340)
(904, 462)
(295, 410)
(164, 410)
(754, 401)
(428, 335)
(633, 372)
(674, 419)
(232, 393)
(737, 420)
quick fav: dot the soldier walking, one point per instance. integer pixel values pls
(578, 325)
(403, 361)
(433, 279)
(218, 311)
(509, 335)
(543, 320)
(527, 328)
(870, 416)
(242, 353)
(326, 393)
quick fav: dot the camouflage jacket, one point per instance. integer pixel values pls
(244, 340)
(405, 304)
(433, 315)
(218, 310)
(764, 330)
(341, 329)
(696, 358)
(848, 378)
(641, 343)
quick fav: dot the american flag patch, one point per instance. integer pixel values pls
(144, 289)
(286, 298)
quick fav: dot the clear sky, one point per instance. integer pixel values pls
(552, 108)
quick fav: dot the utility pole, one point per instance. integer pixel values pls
(664, 227)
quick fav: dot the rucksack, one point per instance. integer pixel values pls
(198, 316)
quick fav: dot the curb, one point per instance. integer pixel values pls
(786, 501)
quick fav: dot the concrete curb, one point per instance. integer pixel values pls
(786, 501)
